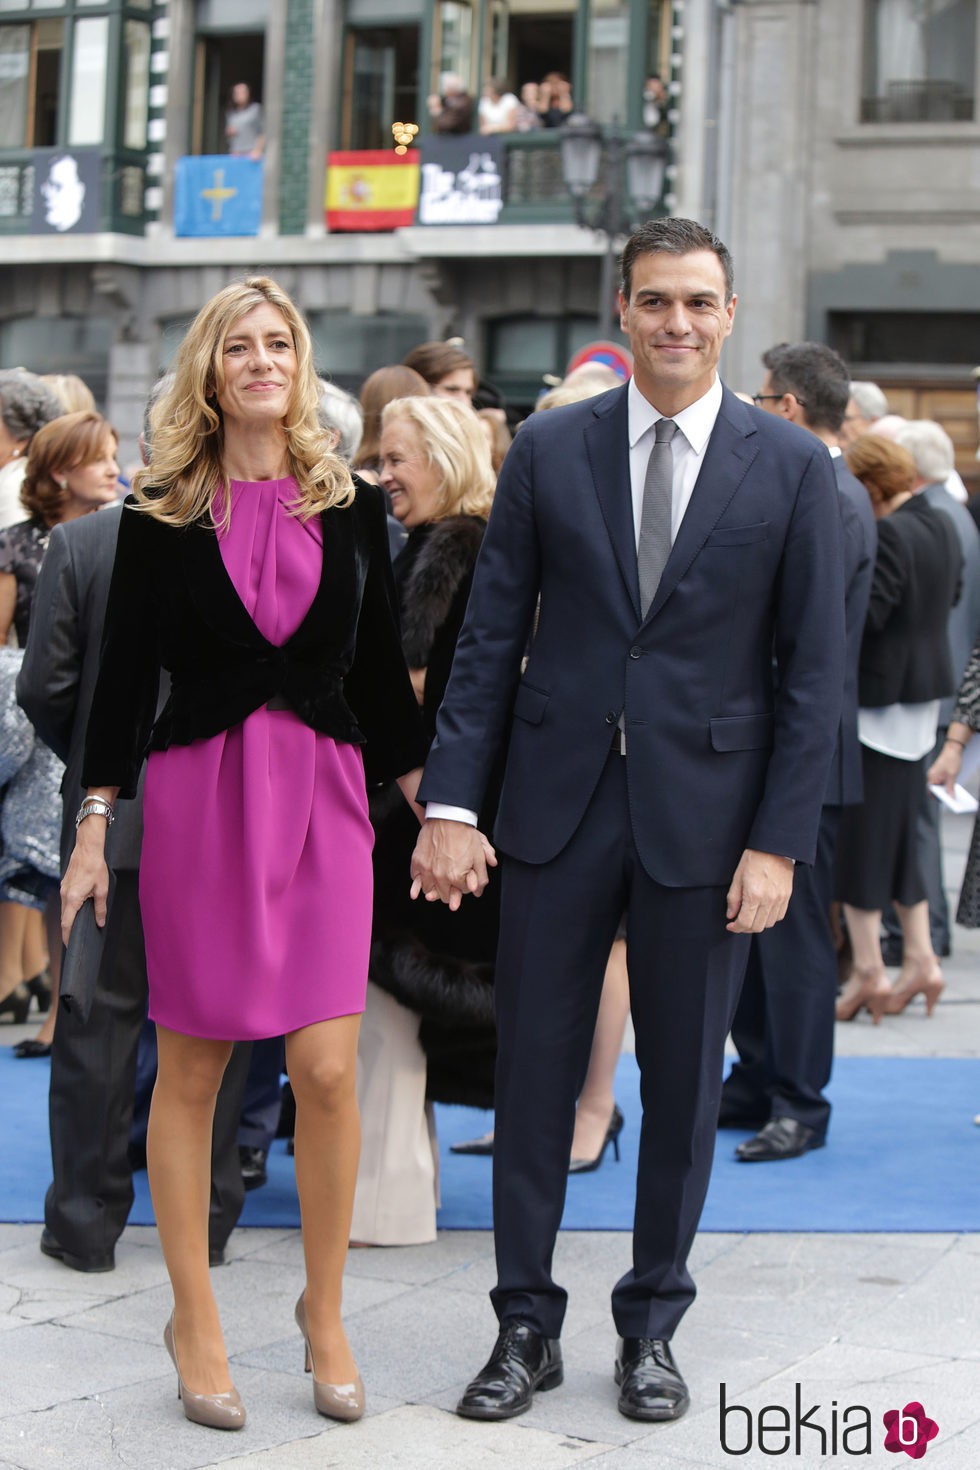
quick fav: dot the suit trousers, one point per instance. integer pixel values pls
(784, 1024)
(90, 1102)
(558, 921)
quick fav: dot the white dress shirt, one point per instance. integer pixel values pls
(694, 425)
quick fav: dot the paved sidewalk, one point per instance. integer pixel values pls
(860, 1322)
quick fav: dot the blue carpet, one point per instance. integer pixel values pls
(904, 1155)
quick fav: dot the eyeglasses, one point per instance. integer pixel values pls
(759, 398)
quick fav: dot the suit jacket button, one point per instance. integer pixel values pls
(636, 653)
(610, 717)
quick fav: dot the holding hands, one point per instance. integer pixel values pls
(450, 859)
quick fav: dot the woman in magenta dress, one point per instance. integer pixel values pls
(255, 570)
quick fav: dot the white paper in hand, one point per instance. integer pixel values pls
(960, 802)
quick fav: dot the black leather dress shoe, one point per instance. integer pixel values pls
(252, 1160)
(522, 1361)
(100, 1261)
(781, 1138)
(650, 1387)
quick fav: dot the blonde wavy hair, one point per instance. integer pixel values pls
(454, 442)
(186, 473)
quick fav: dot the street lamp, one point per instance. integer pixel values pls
(633, 181)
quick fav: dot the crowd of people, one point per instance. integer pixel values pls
(189, 667)
(544, 104)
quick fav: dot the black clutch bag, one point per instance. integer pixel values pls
(82, 958)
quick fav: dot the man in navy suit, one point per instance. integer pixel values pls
(653, 766)
(784, 1024)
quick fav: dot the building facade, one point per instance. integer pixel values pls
(832, 143)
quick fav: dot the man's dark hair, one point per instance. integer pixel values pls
(816, 375)
(674, 237)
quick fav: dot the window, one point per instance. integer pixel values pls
(90, 55)
(222, 60)
(920, 61)
(454, 48)
(347, 348)
(30, 71)
(942, 338)
(608, 50)
(136, 83)
(380, 84)
(61, 344)
(521, 349)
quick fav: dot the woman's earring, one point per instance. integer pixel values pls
(61, 484)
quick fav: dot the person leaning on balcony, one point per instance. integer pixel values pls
(244, 124)
(528, 116)
(555, 100)
(451, 110)
(498, 107)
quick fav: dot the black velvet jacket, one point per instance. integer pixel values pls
(172, 605)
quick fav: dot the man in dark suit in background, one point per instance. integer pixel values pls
(93, 1061)
(784, 1024)
(678, 542)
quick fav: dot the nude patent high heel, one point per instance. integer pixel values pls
(865, 988)
(213, 1410)
(343, 1401)
(929, 985)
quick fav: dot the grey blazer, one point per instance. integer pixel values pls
(61, 664)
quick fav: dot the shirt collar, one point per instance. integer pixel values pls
(835, 451)
(695, 422)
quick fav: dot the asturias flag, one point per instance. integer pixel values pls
(218, 194)
(371, 189)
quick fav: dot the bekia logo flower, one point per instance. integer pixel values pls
(909, 1429)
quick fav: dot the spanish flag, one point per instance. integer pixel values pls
(373, 189)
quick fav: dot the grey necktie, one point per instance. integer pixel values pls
(653, 547)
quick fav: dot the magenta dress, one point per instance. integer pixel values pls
(255, 878)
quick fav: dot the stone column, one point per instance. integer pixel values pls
(769, 187)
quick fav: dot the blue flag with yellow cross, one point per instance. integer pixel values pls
(218, 194)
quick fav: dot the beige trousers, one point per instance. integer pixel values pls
(398, 1176)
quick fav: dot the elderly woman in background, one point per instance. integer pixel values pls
(342, 418)
(255, 570)
(26, 404)
(449, 371)
(74, 395)
(428, 1032)
(69, 471)
(905, 670)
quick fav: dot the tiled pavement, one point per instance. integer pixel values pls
(858, 1321)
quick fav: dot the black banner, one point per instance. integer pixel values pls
(462, 180)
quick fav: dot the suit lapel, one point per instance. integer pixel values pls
(727, 458)
(607, 447)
